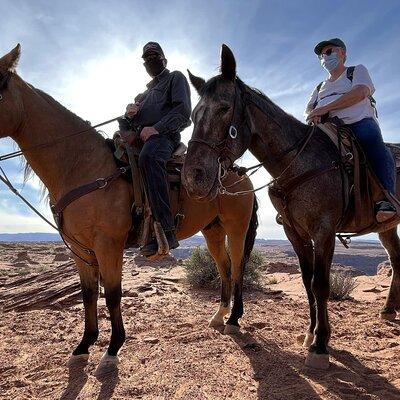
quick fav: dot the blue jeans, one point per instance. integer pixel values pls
(379, 157)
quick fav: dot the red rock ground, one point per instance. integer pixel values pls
(170, 352)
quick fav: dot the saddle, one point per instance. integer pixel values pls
(361, 188)
(143, 225)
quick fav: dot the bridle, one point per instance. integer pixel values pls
(4, 78)
(239, 122)
(239, 119)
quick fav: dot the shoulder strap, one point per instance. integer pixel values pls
(318, 88)
(349, 73)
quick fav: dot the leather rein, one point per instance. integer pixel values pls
(58, 208)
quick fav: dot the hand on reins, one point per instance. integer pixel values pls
(146, 132)
(314, 121)
(315, 115)
(132, 109)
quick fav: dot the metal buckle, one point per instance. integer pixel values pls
(349, 156)
(1, 97)
(103, 184)
(233, 132)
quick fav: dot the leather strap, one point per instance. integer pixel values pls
(83, 190)
(136, 179)
(283, 190)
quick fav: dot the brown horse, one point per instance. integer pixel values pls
(101, 220)
(232, 117)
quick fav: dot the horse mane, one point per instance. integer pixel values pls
(28, 171)
(257, 96)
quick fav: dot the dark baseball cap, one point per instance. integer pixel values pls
(152, 47)
(334, 42)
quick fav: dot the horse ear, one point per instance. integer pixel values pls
(9, 62)
(228, 63)
(197, 82)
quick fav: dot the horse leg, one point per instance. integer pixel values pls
(236, 250)
(324, 246)
(390, 240)
(109, 253)
(215, 238)
(305, 253)
(89, 277)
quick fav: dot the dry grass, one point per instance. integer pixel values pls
(341, 285)
(201, 269)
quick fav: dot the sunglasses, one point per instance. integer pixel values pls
(326, 53)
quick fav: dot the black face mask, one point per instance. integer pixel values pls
(154, 67)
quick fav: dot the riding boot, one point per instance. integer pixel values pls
(384, 211)
(151, 248)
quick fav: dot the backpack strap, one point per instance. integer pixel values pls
(349, 74)
(318, 88)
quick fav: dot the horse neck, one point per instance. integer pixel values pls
(272, 136)
(63, 165)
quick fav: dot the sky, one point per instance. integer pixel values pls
(86, 54)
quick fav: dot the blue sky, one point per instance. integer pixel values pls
(86, 54)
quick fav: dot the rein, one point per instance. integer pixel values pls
(55, 141)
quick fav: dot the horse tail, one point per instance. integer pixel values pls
(251, 234)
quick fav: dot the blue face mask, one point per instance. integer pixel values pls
(330, 62)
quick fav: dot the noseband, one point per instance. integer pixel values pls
(222, 148)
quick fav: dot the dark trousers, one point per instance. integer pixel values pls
(152, 162)
(380, 158)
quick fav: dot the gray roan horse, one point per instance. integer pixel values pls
(315, 206)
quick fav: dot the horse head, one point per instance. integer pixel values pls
(220, 134)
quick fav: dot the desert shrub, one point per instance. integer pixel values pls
(201, 269)
(273, 280)
(341, 285)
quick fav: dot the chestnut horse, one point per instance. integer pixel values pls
(101, 219)
(232, 117)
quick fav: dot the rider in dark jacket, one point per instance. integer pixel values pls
(159, 114)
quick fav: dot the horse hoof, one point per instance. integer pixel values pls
(216, 323)
(388, 316)
(107, 364)
(231, 329)
(317, 361)
(78, 359)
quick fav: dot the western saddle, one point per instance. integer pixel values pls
(143, 224)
